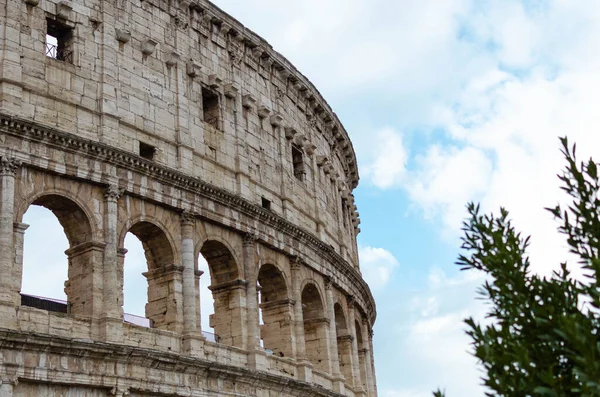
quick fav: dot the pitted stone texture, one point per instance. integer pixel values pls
(170, 120)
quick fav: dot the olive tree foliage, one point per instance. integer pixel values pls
(543, 333)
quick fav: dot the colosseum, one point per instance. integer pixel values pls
(170, 120)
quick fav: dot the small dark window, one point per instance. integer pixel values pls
(266, 204)
(210, 107)
(298, 162)
(59, 41)
(147, 151)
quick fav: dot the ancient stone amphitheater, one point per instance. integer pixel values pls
(172, 121)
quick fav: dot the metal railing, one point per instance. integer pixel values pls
(62, 54)
(61, 306)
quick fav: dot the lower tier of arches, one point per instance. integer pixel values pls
(315, 332)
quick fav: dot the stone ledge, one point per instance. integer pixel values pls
(136, 356)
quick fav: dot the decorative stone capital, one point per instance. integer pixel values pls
(328, 282)
(187, 218)
(249, 239)
(9, 380)
(295, 262)
(113, 193)
(119, 391)
(350, 300)
(9, 166)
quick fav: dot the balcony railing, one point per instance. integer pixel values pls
(62, 54)
(61, 306)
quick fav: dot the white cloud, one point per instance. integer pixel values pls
(377, 265)
(430, 341)
(384, 158)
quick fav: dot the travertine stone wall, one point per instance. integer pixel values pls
(172, 121)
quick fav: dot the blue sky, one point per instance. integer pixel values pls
(446, 101)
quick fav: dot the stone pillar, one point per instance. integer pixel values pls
(277, 329)
(334, 362)
(356, 379)
(84, 287)
(366, 361)
(371, 365)
(165, 298)
(256, 355)
(251, 273)
(229, 320)
(8, 172)
(19, 238)
(112, 307)
(112, 286)
(189, 278)
(197, 275)
(303, 365)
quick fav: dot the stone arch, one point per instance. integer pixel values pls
(277, 311)
(344, 341)
(84, 256)
(164, 305)
(71, 212)
(228, 291)
(316, 326)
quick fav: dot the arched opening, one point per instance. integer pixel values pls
(164, 300)
(135, 290)
(228, 294)
(344, 342)
(362, 351)
(276, 311)
(316, 325)
(68, 284)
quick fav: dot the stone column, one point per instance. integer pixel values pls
(365, 352)
(251, 274)
(303, 365)
(372, 376)
(256, 356)
(189, 278)
(338, 379)
(8, 173)
(112, 306)
(19, 238)
(197, 275)
(112, 286)
(356, 379)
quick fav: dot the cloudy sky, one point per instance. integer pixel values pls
(446, 101)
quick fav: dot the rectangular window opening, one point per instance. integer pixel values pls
(59, 41)
(298, 162)
(210, 107)
(266, 204)
(147, 151)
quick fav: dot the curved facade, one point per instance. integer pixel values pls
(172, 121)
